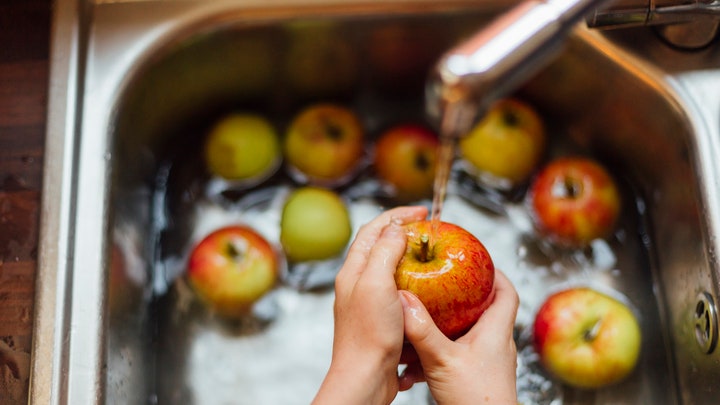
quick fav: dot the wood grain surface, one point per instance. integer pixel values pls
(24, 50)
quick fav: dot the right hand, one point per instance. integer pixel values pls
(478, 367)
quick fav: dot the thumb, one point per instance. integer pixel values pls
(420, 330)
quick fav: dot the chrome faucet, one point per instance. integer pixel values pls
(523, 40)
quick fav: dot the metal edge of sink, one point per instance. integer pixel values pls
(67, 355)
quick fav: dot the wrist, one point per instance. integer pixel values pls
(359, 379)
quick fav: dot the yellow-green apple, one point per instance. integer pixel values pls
(586, 338)
(315, 225)
(405, 158)
(574, 200)
(243, 147)
(231, 268)
(507, 144)
(325, 143)
(450, 271)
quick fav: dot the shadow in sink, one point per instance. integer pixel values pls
(163, 346)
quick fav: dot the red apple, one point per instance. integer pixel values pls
(405, 158)
(506, 146)
(450, 271)
(574, 201)
(231, 268)
(325, 144)
(586, 338)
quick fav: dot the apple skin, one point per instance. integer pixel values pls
(315, 225)
(243, 147)
(405, 158)
(507, 144)
(573, 201)
(585, 338)
(231, 268)
(325, 142)
(456, 282)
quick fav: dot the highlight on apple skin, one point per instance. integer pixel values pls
(586, 338)
(573, 201)
(450, 271)
(231, 268)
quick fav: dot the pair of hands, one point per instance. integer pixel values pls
(373, 319)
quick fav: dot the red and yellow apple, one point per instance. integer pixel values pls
(315, 225)
(507, 144)
(574, 201)
(243, 147)
(231, 268)
(585, 338)
(405, 158)
(450, 271)
(325, 143)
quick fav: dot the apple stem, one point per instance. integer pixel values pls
(592, 333)
(424, 248)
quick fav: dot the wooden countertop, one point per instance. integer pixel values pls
(24, 50)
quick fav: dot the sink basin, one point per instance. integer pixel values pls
(136, 85)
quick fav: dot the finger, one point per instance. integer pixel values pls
(385, 255)
(420, 330)
(368, 234)
(500, 316)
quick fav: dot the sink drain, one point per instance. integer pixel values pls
(706, 324)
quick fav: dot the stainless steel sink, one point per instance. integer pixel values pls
(135, 84)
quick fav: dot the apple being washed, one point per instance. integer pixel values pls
(325, 144)
(451, 273)
(231, 268)
(405, 158)
(573, 201)
(506, 146)
(587, 339)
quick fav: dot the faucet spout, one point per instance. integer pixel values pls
(493, 62)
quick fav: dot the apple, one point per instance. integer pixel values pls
(405, 158)
(315, 225)
(243, 147)
(585, 338)
(450, 271)
(505, 147)
(325, 144)
(573, 201)
(231, 268)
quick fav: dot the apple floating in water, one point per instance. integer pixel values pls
(405, 158)
(450, 271)
(231, 268)
(506, 146)
(587, 339)
(315, 225)
(243, 147)
(324, 144)
(573, 201)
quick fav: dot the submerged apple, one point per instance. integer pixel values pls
(405, 158)
(231, 268)
(586, 338)
(450, 271)
(573, 201)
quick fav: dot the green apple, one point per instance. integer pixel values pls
(451, 273)
(585, 338)
(231, 268)
(507, 144)
(243, 147)
(315, 225)
(325, 144)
